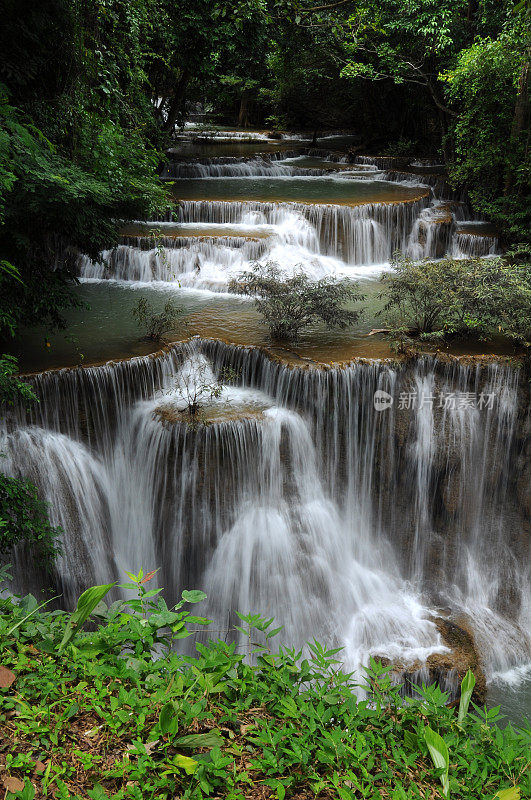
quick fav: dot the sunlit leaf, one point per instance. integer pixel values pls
(467, 687)
(439, 755)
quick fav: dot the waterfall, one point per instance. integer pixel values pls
(74, 483)
(471, 245)
(322, 239)
(363, 234)
(250, 167)
(438, 183)
(203, 263)
(382, 162)
(299, 499)
(432, 233)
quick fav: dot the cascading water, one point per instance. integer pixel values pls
(294, 496)
(345, 239)
(298, 498)
(471, 245)
(366, 234)
(432, 233)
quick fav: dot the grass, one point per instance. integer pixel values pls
(94, 714)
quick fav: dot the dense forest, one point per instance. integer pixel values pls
(92, 91)
(213, 451)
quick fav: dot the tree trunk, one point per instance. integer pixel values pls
(520, 124)
(177, 102)
(243, 116)
(446, 147)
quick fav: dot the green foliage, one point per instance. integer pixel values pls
(12, 388)
(401, 148)
(24, 521)
(111, 721)
(85, 606)
(467, 687)
(478, 296)
(76, 145)
(289, 305)
(471, 62)
(156, 325)
(490, 134)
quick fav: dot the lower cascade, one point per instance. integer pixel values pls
(373, 506)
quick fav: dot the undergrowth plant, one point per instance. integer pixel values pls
(122, 711)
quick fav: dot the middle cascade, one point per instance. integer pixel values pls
(321, 239)
(287, 219)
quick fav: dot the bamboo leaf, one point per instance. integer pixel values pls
(467, 687)
(439, 756)
(210, 739)
(85, 606)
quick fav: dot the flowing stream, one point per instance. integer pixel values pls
(312, 212)
(297, 496)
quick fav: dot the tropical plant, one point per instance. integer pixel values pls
(24, 521)
(480, 296)
(156, 324)
(217, 723)
(291, 304)
(11, 387)
(489, 85)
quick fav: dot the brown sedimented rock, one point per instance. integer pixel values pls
(446, 669)
(209, 415)
(456, 635)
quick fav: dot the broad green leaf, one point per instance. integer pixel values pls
(439, 755)
(85, 606)
(467, 687)
(186, 763)
(168, 720)
(210, 739)
(513, 793)
(193, 596)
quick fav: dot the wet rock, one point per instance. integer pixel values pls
(451, 492)
(445, 669)
(457, 635)
(208, 415)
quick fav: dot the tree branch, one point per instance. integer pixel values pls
(324, 8)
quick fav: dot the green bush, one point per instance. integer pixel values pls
(102, 718)
(488, 85)
(481, 296)
(156, 325)
(24, 520)
(288, 305)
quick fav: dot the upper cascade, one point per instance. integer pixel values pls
(354, 235)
